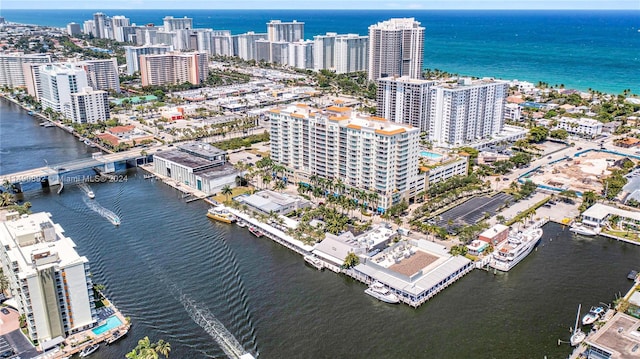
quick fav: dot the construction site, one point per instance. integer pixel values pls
(581, 173)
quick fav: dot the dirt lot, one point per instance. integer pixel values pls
(410, 266)
(579, 173)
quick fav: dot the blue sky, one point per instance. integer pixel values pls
(321, 4)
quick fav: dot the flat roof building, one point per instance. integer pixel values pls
(49, 281)
(273, 202)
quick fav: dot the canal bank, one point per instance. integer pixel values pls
(167, 261)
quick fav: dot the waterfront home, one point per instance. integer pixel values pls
(495, 235)
(598, 215)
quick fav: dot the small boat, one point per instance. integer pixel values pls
(149, 176)
(632, 275)
(91, 195)
(255, 231)
(117, 335)
(380, 292)
(241, 224)
(47, 124)
(580, 228)
(578, 335)
(89, 350)
(314, 261)
(221, 214)
(31, 113)
(594, 315)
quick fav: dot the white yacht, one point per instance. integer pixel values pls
(580, 228)
(314, 261)
(89, 350)
(594, 315)
(515, 249)
(379, 291)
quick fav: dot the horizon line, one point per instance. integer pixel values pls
(338, 9)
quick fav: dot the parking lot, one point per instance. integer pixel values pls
(472, 211)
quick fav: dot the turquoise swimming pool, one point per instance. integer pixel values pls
(431, 155)
(112, 322)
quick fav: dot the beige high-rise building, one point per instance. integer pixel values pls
(174, 68)
(11, 67)
(90, 106)
(396, 48)
(285, 31)
(364, 152)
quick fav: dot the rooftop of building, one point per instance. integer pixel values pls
(37, 236)
(494, 231)
(183, 159)
(620, 336)
(201, 149)
(581, 121)
(406, 79)
(347, 117)
(465, 83)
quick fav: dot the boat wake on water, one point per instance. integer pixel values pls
(204, 318)
(96, 207)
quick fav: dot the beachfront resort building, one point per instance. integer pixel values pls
(362, 151)
(467, 111)
(396, 48)
(197, 165)
(173, 68)
(287, 31)
(587, 127)
(342, 53)
(57, 83)
(48, 280)
(12, 72)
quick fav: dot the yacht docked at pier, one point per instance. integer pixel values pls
(221, 214)
(516, 248)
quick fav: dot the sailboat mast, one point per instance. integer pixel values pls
(577, 318)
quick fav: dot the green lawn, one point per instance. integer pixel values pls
(220, 198)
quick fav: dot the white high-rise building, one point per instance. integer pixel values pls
(49, 281)
(119, 24)
(221, 43)
(133, 53)
(11, 67)
(90, 106)
(279, 52)
(363, 152)
(324, 51)
(170, 23)
(404, 100)
(285, 31)
(58, 81)
(467, 111)
(245, 45)
(103, 74)
(396, 48)
(89, 28)
(73, 29)
(146, 35)
(301, 54)
(351, 53)
(100, 21)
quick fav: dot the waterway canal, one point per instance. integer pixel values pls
(167, 261)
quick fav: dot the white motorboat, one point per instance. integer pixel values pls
(578, 335)
(580, 228)
(314, 262)
(594, 315)
(241, 224)
(89, 350)
(379, 291)
(91, 195)
(515, 249)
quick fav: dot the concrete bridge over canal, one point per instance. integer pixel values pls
(74, 171)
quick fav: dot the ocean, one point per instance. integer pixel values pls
(584, 50)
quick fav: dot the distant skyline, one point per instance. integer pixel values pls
(327, 4)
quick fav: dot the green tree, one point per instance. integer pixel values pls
(227, 191)
(538, 134)
(351, 260)
(6, 199)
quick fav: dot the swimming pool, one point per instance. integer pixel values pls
(431, 155)
(112, 322)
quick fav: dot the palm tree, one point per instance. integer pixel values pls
(227, 191)
(266, 179)
(279, 185)
(163, 348)
(6, 199)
